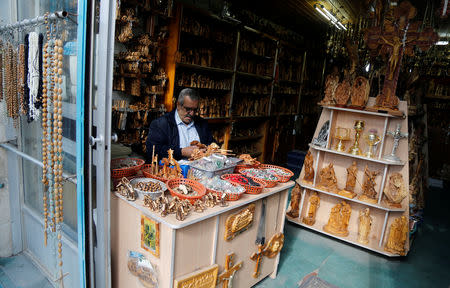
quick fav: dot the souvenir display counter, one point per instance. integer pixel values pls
(198, 242)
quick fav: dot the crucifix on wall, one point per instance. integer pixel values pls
(397, 37)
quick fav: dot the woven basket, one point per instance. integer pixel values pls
(249, 189)
(230, 196)
(283, 178)
(126, 171)
(198, 187)
(243, 166)
(146, 171)
(269, 183)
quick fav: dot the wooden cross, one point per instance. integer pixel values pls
(60, 279)
(396, 37)
(257, 256)
(228, 275)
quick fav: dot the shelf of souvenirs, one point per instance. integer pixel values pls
(245, 138)
(381, 161)
(255, 55)
(438, 96)
(211, 40)
(359, 111)
(352, 238)
(213, 120)
(202, 88)
(286, 81)
(254, 117)
(204, 68)
(254, 76)
(376, 205)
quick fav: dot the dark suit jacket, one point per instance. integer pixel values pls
(163, 133)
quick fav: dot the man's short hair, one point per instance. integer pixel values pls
(187, 92)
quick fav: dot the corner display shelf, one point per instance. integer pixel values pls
(382, 214)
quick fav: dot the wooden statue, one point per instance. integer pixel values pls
(396, 37)
(360, 92)
(365, 224)
(339, 219)
(314, 203)
(398, 234)
(328, 179)
(369, 193)
(342, 93)
(169, 172)
(395, 190)
(331, 83)
(309, 170)
(295, 202)
(351, 182)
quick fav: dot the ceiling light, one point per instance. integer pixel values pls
(441, 43)
(334, 23)
(320, 11)
(343, 27)
(331, 16)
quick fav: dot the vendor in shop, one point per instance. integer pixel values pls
(177, 129)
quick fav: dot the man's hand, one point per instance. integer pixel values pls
(187, 151)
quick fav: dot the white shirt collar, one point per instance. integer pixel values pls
(179, 121)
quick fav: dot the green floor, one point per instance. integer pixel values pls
(343, 265)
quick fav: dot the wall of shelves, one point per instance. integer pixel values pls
(382, 213)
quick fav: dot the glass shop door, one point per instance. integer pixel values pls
(99, 133)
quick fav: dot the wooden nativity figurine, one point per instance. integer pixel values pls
(331, 83)
(339, 219)
(365, 224)
(369, 193)
(342, 93)
(360, 92)
(395, 190)
(308, 176)
(328, 179)
(293, 209)
(314, 203)
(349, 190)
(398, 234)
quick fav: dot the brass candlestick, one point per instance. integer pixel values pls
(372, 139)
(342, 134)
(359, 127)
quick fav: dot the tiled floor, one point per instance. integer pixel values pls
(427, 264)
(304, 252)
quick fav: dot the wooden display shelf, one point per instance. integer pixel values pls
(218, 119)
(253, 55)
(351, 238)
(198, 241)
(381, 161)
(241, 118)
(211, 40)
(362, 111)
(245, 138)
(204, 68)
(289, 82)
(254, 76)
(385, 208)
(198, 88)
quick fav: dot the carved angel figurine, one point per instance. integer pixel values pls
(365, 224)
(395, 190)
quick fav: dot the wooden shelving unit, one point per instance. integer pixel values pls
(382, 213)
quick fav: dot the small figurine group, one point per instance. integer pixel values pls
(125, 189)
(182, 208)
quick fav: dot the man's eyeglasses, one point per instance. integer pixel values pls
(188, 109)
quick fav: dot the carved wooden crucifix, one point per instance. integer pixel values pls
(397, 37)
(228, 275)
(257, 256)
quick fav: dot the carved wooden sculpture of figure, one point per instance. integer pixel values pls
(328, 179)
(369, 192)
(331, 83)
(398, 234)
(295, 202)
(395, 190)
(360, 92)
(309, 170)
(351, 181)
(342, 93)
(365, 224)
(339, 219)
(314, 203)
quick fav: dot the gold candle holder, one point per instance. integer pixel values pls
(372, 140)
(359, 127)
(342, 134)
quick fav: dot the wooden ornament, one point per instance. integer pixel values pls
(227, 276)
(365, 224)
(203, 278)
(274, 246)
(339, 219)
(239, 222)
(293, 210)
(369, 193)
(257, 257)
(398, 234)
(308, 167)
(327, 179)
(314, 203)
(351, 182)
(395, 190)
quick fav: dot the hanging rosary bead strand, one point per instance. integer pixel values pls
(21, 77)
(44, 126)
(1, 70)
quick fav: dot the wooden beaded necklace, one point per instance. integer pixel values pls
(45, 159)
